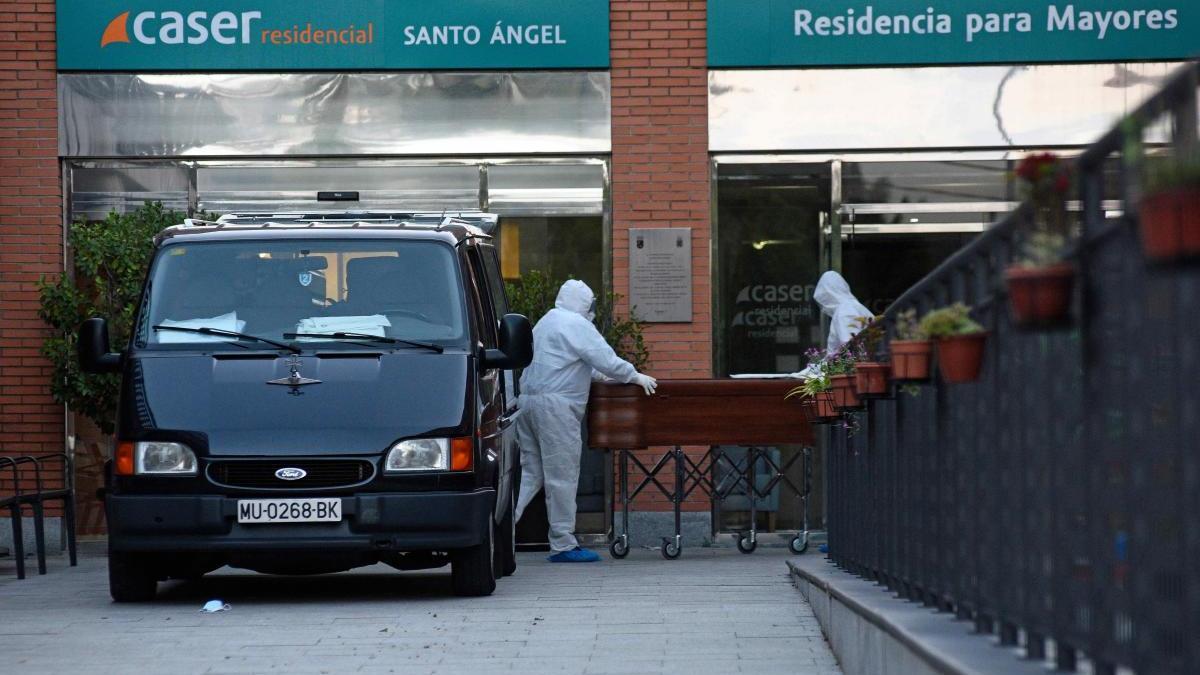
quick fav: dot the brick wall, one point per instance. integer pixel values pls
(30, 224)
(660, 164)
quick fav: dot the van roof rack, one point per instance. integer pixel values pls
(199, 222)
(486, 222)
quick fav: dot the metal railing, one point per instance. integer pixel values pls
(1055, 503)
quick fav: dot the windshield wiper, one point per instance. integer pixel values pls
(367, 336)
(205, 330)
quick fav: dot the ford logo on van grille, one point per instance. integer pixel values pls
(290, 473)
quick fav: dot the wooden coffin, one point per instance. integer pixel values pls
(696, 412)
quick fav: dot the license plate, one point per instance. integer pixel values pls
(328, 510)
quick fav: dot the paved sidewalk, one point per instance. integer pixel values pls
(712, 611)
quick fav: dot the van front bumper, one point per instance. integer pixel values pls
(419, 521)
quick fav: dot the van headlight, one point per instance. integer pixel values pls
(163, 458)
(431, 454)
(418, 454)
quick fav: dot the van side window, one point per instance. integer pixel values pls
(499, 299)
(480, 293)
(495, 282)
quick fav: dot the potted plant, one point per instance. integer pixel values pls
(1170, 211)
(840, 370)
(817, 393)
(911, 349)
(960, 342)
(1040, 282)
(870, 377)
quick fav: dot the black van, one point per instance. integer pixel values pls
(309, 393)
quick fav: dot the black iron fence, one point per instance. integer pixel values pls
(1056, 502)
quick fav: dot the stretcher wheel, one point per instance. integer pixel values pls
(746, 544)
(799, 543)
(618, 549)
(669, 550)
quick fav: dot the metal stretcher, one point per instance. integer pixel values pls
(713, 413)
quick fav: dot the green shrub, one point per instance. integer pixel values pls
(109, 260)
(535, 292)
(1167, 173)
(949, 321)
(532, 295)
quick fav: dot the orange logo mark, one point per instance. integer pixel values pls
(116, 30)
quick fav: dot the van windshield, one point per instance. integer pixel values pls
(406, 290)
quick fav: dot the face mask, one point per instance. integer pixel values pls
(591, 312)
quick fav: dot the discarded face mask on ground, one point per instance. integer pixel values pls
(215, 606)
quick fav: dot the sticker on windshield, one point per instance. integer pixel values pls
(305, 278)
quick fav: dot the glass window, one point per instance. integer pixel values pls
(264, 186)
(927, 181)
(96, 191)
(901, 219)
(402, 289)
(557, 189)
(768, 241)
(562, 247)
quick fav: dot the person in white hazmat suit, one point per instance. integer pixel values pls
(568, 353)
(845, 312)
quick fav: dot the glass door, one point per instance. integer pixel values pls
(769, 255)
(773, 240)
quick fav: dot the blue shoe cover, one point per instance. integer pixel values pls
(576, 554)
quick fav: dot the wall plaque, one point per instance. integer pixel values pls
(660, 274)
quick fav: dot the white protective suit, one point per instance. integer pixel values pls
(845, 312)
(568, 352)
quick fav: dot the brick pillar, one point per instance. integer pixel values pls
(30, 224)
(660, 172)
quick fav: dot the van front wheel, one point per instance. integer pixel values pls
(131, 577)
(473, 570)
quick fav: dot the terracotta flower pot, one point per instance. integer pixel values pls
(871, 379)
(808, 407)
(1040, 295)
(823, 403)
(1170, 224)
(911, 359)
(960, 357)
(844, 397)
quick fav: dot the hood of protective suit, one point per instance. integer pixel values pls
(843, 309)
(575, 296)
(833, 292)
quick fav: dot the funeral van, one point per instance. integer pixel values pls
(308, 393)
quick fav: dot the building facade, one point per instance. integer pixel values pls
(774, 139)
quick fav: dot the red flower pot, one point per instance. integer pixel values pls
(871, 379)
(1170, 224)
(1040, 295)
(823, 404)
(911, 359)
(960, 357)
(808, 407)
(844, 397)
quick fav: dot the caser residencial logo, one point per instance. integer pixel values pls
(223, 27)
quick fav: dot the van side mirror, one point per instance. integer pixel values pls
(94, 354)
(516, 344)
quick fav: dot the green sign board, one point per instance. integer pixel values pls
(283, 35)
(749, 33)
